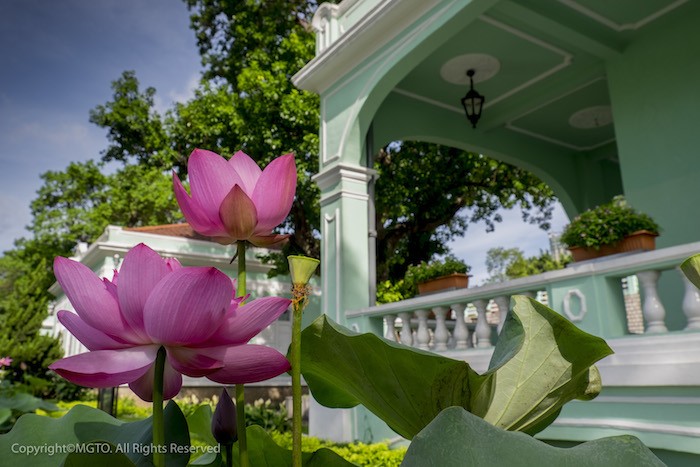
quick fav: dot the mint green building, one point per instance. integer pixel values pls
(595, 98)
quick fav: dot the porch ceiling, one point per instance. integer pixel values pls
(547, 61)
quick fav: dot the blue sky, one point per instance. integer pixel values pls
(58, 61)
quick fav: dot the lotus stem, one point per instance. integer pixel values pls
(158, 420)
(296, 382)
(240, 394)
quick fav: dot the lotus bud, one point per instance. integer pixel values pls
(223, 422)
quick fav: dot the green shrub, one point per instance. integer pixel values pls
(268, 416)
(375, 454)
(606, 224)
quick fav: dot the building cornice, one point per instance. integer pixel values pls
(374, 30)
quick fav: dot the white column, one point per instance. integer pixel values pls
(483, 331)
(503, 302)
(390, 321)
(652, 308)
(461, 332)
(422, 334)
(406, 333)
(691, 304)
(442, 335)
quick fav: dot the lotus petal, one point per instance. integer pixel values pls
(244, 323)
(182, 307)
(92, 338)
(238, 214)
(247, 169)
(91, 299)
(211, 178)
(274, 193)
(141, 270)
(194, 363)
(268, 240)
(249, 364)
(195, 214)
(106, 368)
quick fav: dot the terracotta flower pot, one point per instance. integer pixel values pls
(640, 240)
(449, 282)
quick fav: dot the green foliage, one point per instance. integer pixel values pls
(505, 264)
(388, 291)
(134, 129)
(375, 454)
(84, 425)
(264, 452)
(691, 269)
(393, 291)
(422, 190)
(536, 265)
(263, 413)
(606, 224)
(541, 361)
(456, 437)
(14, 402)
(425, 271)
(25, 276)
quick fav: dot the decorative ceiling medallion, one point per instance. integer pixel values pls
(455, 70)
(591, 117)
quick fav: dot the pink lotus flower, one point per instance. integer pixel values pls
(153, 302)
(235, 200)
(5, 361)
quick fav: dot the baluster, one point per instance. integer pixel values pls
(461, 332)
(442, 335)
(652, 308)
(406, 333)
(691, 304)
(503, 302)
(390, 321)
(482, 331)
(422, 335)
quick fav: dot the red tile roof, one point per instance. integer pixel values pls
(172, 230)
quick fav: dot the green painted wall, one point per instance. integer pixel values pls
(656, 109)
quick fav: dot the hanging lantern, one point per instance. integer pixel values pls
(472, 101)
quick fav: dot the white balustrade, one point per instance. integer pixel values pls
(390, 321)
(450, 330)
(461, 332)
(483, 330)
(406, 333)
(441, 334)
(422, 334)
(652, 308)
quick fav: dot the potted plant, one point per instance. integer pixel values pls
(610, 228)
(449, 273)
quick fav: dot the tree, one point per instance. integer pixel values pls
(498, 260)
(24, 300)
(505, 264)
(421, 193)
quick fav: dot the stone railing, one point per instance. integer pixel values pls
(594, 294)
